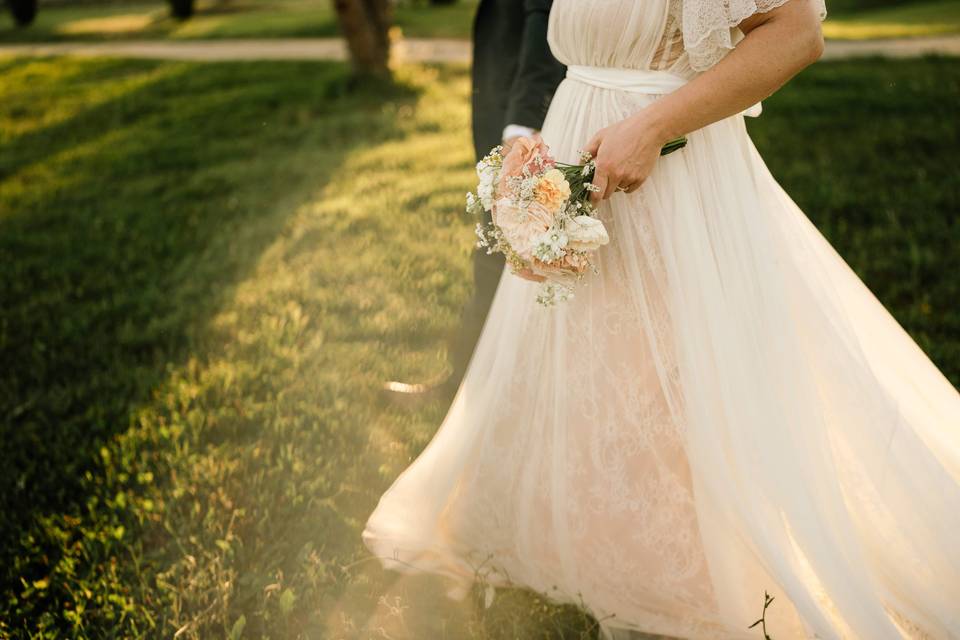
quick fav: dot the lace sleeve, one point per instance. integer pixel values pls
(710, 26)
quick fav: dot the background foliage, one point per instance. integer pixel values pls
(145, 19)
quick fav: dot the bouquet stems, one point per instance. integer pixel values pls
(673, 145)
(579, 176)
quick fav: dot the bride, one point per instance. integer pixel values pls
(725, 409)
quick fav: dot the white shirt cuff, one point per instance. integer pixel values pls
(514, 130)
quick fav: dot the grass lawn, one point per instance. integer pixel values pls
(209, 269)
(931, 18)
(859, 19)
(225, 19)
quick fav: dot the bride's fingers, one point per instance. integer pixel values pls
(606, 177)
(613, 183)
(632, 187)
(600, 181)
(593, 147)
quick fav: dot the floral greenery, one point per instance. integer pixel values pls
(762, 622)
(209, 269)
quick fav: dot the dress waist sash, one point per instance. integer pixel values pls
(645, 81)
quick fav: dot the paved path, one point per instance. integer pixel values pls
(406, 50)
(893, 48)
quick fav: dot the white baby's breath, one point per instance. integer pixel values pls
(474, 206)
(553, 292)
(486, 187)
(488, 172)
(551, 245)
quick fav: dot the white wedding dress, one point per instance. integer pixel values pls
(725, 409)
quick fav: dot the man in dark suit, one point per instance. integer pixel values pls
(514, 78)
(514, 73)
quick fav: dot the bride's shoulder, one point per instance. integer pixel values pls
(710, 27)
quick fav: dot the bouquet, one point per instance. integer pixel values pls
(542, 219)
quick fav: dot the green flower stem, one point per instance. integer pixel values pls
(574, 172)
(673, 145)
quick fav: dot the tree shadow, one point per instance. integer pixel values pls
(123, 228)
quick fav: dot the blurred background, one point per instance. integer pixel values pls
(212, 258)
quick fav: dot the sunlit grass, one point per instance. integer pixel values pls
(315, 18)
(73, 91)
(241, 19)
(209, 269)
(109, 25)
(939, 17)
(225, 262)
(87, 21)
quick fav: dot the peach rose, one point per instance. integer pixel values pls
(524, 153)
(577, 262)
(521, 228)
(558, 271)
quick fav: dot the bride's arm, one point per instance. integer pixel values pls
(776, 46)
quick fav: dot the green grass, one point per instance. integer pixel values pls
(931, 18)
(183, 245)
(209, 269)
(224, 19)
(848, 19)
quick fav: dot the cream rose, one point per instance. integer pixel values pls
(586, 233)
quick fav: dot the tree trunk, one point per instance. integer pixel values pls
(181, 9)
(23, 11)
(365, 25)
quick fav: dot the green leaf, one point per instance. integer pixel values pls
(237, 631)
(287, 598)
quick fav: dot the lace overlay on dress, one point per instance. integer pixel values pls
(709, 28)
(613, 483)
(683, 37)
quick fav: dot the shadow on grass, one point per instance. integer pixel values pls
(123, 228)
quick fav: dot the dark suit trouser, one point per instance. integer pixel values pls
(486, 274)
(514, 76)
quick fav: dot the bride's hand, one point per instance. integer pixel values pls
(625, 153)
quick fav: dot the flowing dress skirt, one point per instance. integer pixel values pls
(725, 409)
